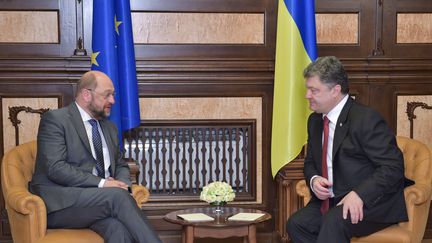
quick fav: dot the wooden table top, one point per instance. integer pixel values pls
(219, 220)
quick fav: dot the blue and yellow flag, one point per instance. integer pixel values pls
(295, 49)
(113, 53)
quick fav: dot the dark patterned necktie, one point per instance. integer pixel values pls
(324, 169)
(97, 144)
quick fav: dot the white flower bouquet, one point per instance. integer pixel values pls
(217, 193)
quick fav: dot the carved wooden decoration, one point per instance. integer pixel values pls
(13, 116)
(287, 200)
(411, 106)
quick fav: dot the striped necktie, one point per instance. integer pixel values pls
(97, 145)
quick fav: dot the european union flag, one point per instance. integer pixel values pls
(113, 53)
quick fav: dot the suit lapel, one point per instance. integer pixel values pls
(79, 125)
(341, 127)
(317, 142)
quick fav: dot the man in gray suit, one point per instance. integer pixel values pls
(80, 173)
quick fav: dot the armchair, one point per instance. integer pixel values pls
(27, 212)
(418, 167)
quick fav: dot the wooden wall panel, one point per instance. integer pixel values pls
(345, 46)
(259, 50)
(399, 16)
(198, 28)
(53, 38)
(414, 28)
(337, 28)
(29, 27)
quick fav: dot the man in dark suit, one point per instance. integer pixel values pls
(353, 165)
(80, 173)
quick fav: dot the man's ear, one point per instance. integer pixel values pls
(86, 95)
(337, 89)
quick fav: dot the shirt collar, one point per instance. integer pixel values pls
(84, 115)
(334, 113)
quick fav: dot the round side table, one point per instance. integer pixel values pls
(220, 227)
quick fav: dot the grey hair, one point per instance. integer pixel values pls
(330, 71)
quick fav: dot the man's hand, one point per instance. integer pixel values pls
(111, 182)
(354, 204)
(320, 187)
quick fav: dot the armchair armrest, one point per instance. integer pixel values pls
(417, 198)
(417, 194)
(28, 211)
(140, 194)
(303, 191)
(22, 201)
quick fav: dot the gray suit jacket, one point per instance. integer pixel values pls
(64, 162)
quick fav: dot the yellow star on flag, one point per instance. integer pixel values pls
(117, 24)
(93, 57)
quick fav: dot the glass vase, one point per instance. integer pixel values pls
(218, 208)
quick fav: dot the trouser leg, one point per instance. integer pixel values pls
(308, 225)
(335, 228)
(95, 204)
(77, 217)
(112, 230)
(304, 225)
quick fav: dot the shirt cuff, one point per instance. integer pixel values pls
(101, 183)
(310, 182)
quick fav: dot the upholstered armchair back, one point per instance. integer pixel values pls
(19, 165)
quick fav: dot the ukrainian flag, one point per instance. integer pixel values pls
(113, 53)
(295, 49)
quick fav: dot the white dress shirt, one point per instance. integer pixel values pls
(333, 116)
(88, 127)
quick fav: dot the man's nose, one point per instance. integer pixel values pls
(111, 99)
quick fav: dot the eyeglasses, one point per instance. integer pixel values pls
(104, 95)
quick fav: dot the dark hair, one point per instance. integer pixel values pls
(330, 71)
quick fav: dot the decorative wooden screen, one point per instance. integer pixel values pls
(180, 157)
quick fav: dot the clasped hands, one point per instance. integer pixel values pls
(351, 203)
